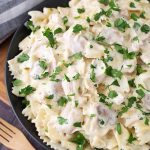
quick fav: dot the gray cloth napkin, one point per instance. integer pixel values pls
(12, 13)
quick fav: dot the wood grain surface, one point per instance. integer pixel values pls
(3, 53)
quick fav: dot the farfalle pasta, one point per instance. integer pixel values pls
(84, 75)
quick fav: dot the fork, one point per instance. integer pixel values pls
(12, 137)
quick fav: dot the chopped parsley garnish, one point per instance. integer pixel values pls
(49, 106)
(30, 26)
(76, 56)
(44, 75)
(131, 101)
(131, 138)
(77, 28)
(58, 30)
(139, 69)
(105, 2)
(22, 58)
(25, 103)
(124, 52)
(80, 140)
(50, 36)
(140, 92)
(108, 24)
(121, 24)
(76, 103)
(92, 115)
(65, 20)
(55, 73)
(113, 5)
(146, 122)
(43, 64)
(92, 74)
(118, 128)
(112, 94)
(50, 96)
(17, 82)
(101, 122)
(115, 82)
(88, 19)
(76, 77)
(136, 25)
(81, 10)
(98, 15)
(136, 38)
(145, 28)
(67, 64)
(142, 15)
(100, 38)
(62, 101)
(103, 100)
(113, 72)
(132, 5)
(62, 120)
(108, 13)
(66, 78)
(131, 83)
(77, 124)
(134, 16)
(27, 91)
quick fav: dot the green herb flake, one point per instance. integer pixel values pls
(50, 96)
(131, 139)
(22, 58)
(131, 83)
(136, 25)
(17, 82)
(132, 5)
(134, 16)
(43, 64)
(76, 103)
(65, 20)
(77, 124)
(115, 82)
(140, 92)
(98, 15)
(105, 2)
(142, 15)
(30, 26)
(76, 77)
(66, 78)
(25, 103)
(58, 30)
(92, 74)
(118, 128)
(101, 122)
(49, 106)
(113, 72)
(62, 120)
(131, 101)
(136, 38)
(139, 69)
(146, 122)
(50, 36)
(80, 140)
(113, 5)
(88, 19)
(108, 24)
(92, 115)
(121, 24)
(27, 91)
(145, 28)
(76, 56)
(62, 101)
(55, 73)
(77, 28)
(81, 10)
(112, 94)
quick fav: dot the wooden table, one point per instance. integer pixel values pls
(3, 53)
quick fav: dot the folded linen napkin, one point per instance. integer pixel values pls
(12, 13)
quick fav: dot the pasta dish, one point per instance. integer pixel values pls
(84, 75)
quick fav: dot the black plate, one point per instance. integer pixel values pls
(20, 34)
